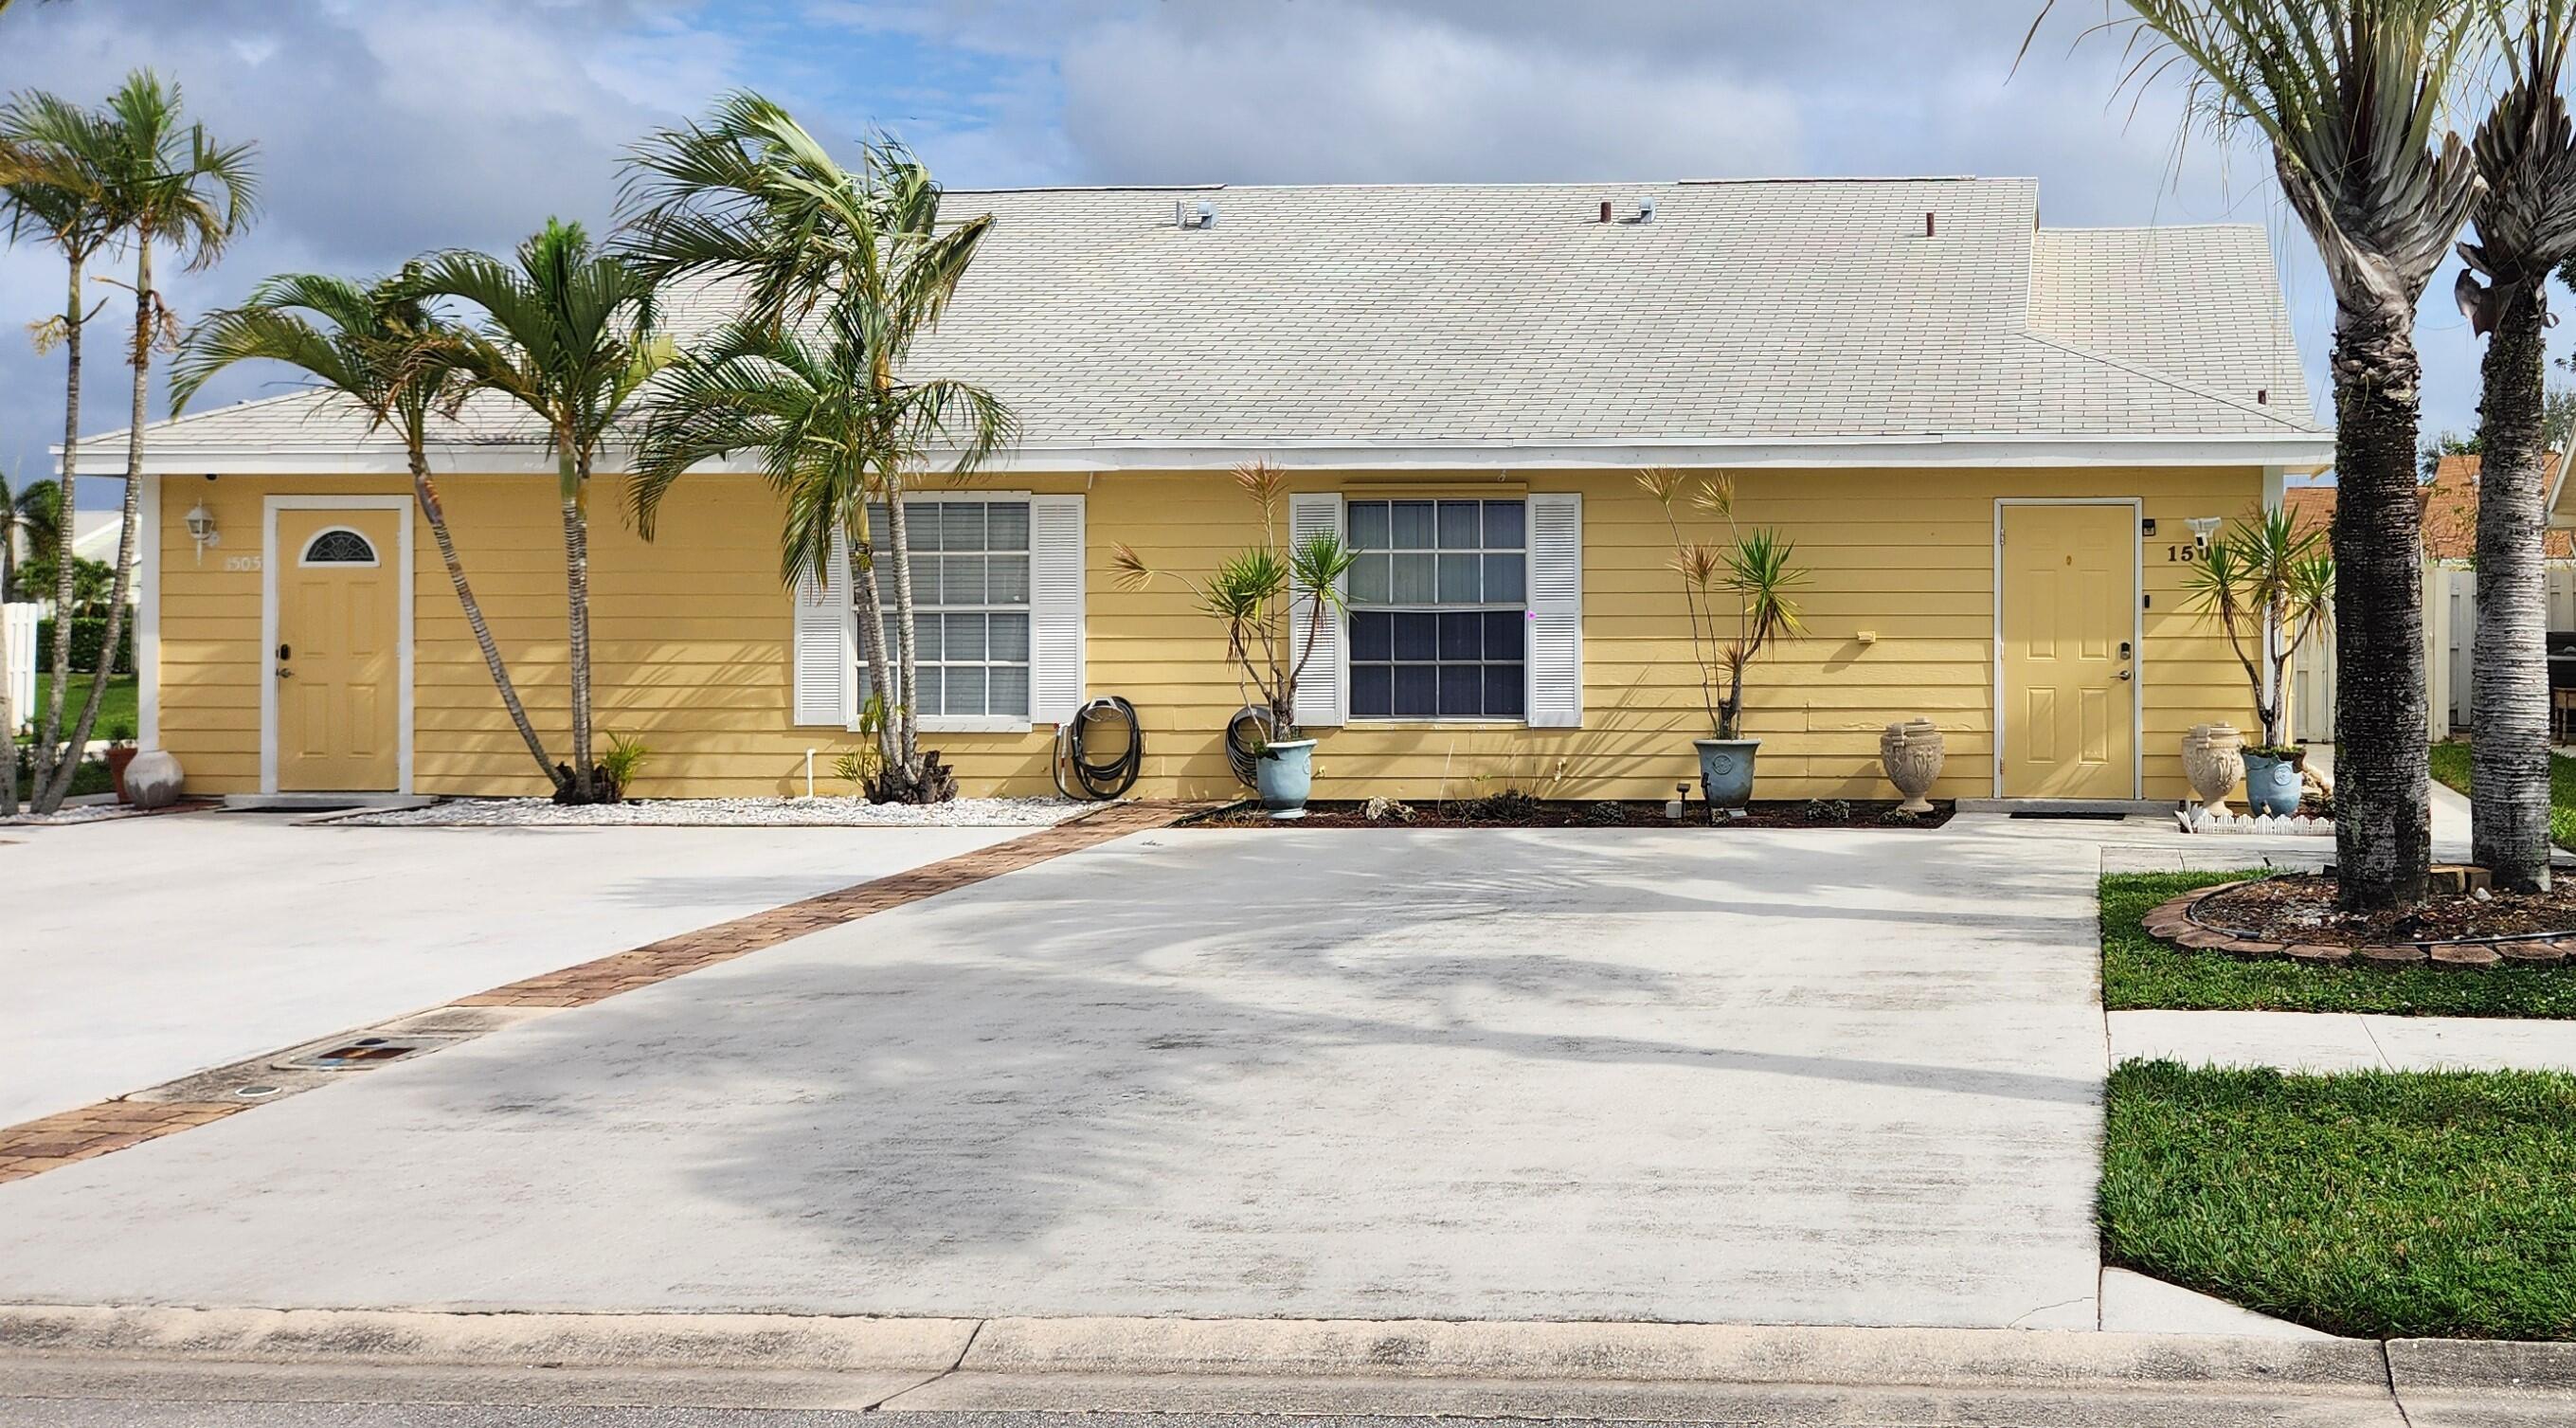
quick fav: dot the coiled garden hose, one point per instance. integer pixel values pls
(1098, 778)
(1246, 734)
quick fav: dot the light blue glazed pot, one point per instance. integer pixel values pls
(1726, 770)
(2272, 785)
(1284, 773)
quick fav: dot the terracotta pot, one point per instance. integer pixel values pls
(2213, 759)
(1911, 752)
(118, 756)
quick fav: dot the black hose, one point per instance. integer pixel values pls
(1098, 779)
(1240, 750)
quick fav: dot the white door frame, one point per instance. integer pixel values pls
(2137, 629)
(270, 559)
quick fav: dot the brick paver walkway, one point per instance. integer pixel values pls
(33, 1147)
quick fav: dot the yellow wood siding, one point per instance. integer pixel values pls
(691, 638)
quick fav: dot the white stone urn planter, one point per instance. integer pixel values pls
(1910, 750)
(2213, 759)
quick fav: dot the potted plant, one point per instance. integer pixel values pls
(2270, 586)
(1254, 594)
(120, 752)
(1751, 570)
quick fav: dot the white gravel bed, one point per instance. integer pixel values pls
(725, 813)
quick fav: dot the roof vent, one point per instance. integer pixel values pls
(1184, 215)
(1605, 210)
(1645, 210)
(1928, 230)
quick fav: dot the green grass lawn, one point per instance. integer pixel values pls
(2138, 972)
(119, 709)
(2451, 767)
(2380, 1203)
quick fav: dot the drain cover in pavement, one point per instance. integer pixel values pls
(356, 1053)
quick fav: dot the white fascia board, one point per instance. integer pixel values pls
(2301, 452)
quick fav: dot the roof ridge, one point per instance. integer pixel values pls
(2152, 374)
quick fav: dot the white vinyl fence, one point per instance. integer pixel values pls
(2450, 625)
(18, 659)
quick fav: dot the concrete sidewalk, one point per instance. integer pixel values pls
(2339, 1041)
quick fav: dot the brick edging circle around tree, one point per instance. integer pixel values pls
(2172, 921)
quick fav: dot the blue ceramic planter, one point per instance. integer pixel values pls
(2272, 785)
(1284, 773)
(1726, 770)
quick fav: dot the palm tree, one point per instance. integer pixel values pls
(32, 515)
(2526, 218)
(821, 427)
(750, 196)
(54, 161)
(164, 182)
(568, 334)
(2348, 95)
(378, 348)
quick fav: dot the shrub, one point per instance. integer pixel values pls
(88, 633)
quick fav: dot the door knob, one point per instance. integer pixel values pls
(284, 673)
(2124, 674)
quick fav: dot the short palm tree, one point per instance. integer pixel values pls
(2526, 222)
(1753, 571)
(163, 183)
(379, 348)
(30, 516)
(748, 196)
(54, 162)
(2270, 586)
(820, 427)
(2348, 96)
(567, 333)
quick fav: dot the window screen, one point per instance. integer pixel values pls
(970, 601)
(1438, 603)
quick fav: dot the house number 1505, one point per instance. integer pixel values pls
(241, 562)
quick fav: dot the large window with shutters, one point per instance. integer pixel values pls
(971, 610)
(1439, 609)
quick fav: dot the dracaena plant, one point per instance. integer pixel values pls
(1751, 575)
(2270, 586)
(1257, 592)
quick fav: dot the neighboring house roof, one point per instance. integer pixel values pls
(1380, 324)
(2450, 511)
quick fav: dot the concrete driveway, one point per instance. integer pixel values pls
(1630, 1074)
(140, 951)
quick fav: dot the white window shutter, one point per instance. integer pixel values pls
(827, 660)
(1055, 608)
(1555, 610)
(1320, 702)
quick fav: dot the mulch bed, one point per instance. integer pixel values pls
(1517, 811)
(2295, 917)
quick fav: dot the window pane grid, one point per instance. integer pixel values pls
(1438, 605)
(970, 604)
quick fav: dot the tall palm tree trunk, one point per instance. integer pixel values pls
(577, 600)
(2383, 823)
(49, 728)
(908, 740)
(2509, 681)
(872, 646)
(425, 490)
(146, 310)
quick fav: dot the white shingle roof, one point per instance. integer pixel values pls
(1509, 316)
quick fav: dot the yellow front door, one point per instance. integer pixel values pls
(338, 662)
(2070, 601)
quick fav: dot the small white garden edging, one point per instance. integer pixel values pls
(724, 813)
(2201, 820)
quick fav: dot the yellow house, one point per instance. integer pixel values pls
(1986, 438)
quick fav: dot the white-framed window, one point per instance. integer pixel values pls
(971, 609)
(1439, 608)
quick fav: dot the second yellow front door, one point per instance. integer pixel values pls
(338, 661)
(2070, 601)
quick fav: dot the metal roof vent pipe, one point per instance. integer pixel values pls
(1605, 210)
(1928, 230)
(1645, 210)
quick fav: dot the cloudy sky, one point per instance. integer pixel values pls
(386, 129)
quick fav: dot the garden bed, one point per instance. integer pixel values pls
(1508, 810)
(2294, 917)
(725, 813)
(2141, 973)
